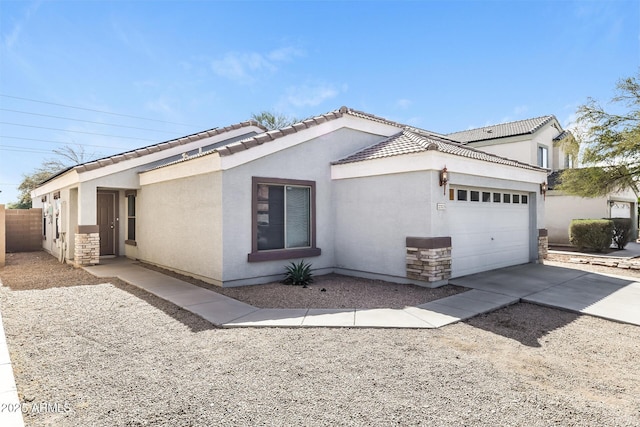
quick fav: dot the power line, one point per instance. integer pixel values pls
(78, 131)
(59, 142)
(94, 110)
(87, 121)
(23, 149)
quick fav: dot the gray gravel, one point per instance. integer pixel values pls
(120, 357)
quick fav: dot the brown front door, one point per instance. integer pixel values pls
(107, 223)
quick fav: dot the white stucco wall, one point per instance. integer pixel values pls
(561, 209)
(64, 219)
(79, 189)
(308, 161)
(179, 225)
(374, 216)
(376, 211)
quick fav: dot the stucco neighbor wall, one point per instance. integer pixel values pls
(561, 209)
(179, 225)
(524, 148)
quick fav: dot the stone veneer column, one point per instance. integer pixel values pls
(543, 244)
(87, 245)
(429, 258)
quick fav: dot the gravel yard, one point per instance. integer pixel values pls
(116, 356)
(328, 291)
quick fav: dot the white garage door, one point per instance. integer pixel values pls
(489, 229)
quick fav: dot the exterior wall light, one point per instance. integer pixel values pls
(543, 189)
(444, 178)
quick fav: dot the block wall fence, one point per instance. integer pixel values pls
(23, 230)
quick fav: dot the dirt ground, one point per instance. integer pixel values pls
(117, 356)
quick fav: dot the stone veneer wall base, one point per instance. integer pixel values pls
(87, 245)
(428, 259)
(543, 244)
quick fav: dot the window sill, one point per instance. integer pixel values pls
(283, 254)
(130, 242)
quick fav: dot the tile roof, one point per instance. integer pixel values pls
(268, 136)
(409, 141)
(139, 152)
(564, 134)
(553, 180)
(502, 130)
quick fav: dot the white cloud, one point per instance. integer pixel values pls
(520, 110)
(284, 54)
(403, 103)
(160, 105)
(311, 95)
(12, 38)
(248, 66)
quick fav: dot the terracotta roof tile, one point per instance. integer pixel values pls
(249, 143)
(94, 164)
(261, 138)
(503, 130)
(408, 141)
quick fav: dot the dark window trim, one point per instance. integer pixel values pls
(278, 254)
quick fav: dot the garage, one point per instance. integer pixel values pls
(492, 229)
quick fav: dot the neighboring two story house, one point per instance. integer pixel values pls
(541, 141)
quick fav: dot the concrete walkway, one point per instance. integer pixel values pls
(610, 297)
(589, 293)
(227, 312)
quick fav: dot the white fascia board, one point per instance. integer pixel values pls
(284, 142)
(159, 155)
(67, 179)
(433, 160)
(195, 166)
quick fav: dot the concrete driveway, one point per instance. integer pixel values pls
(609, 297)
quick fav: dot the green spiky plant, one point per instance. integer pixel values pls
(298, 274)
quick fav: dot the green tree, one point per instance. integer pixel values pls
(66, 156)
(272, 120)
(610, 144)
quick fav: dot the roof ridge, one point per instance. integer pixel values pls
(546, 119)
(505, 130)
(354, 112)
(425, 143)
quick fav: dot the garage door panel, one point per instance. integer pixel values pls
(487, 235)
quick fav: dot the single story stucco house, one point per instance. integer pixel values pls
(347, 191)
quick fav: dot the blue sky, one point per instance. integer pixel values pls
(192, 65)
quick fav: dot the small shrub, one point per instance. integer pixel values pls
(621, 231)
(298, 274)
(595, 234)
